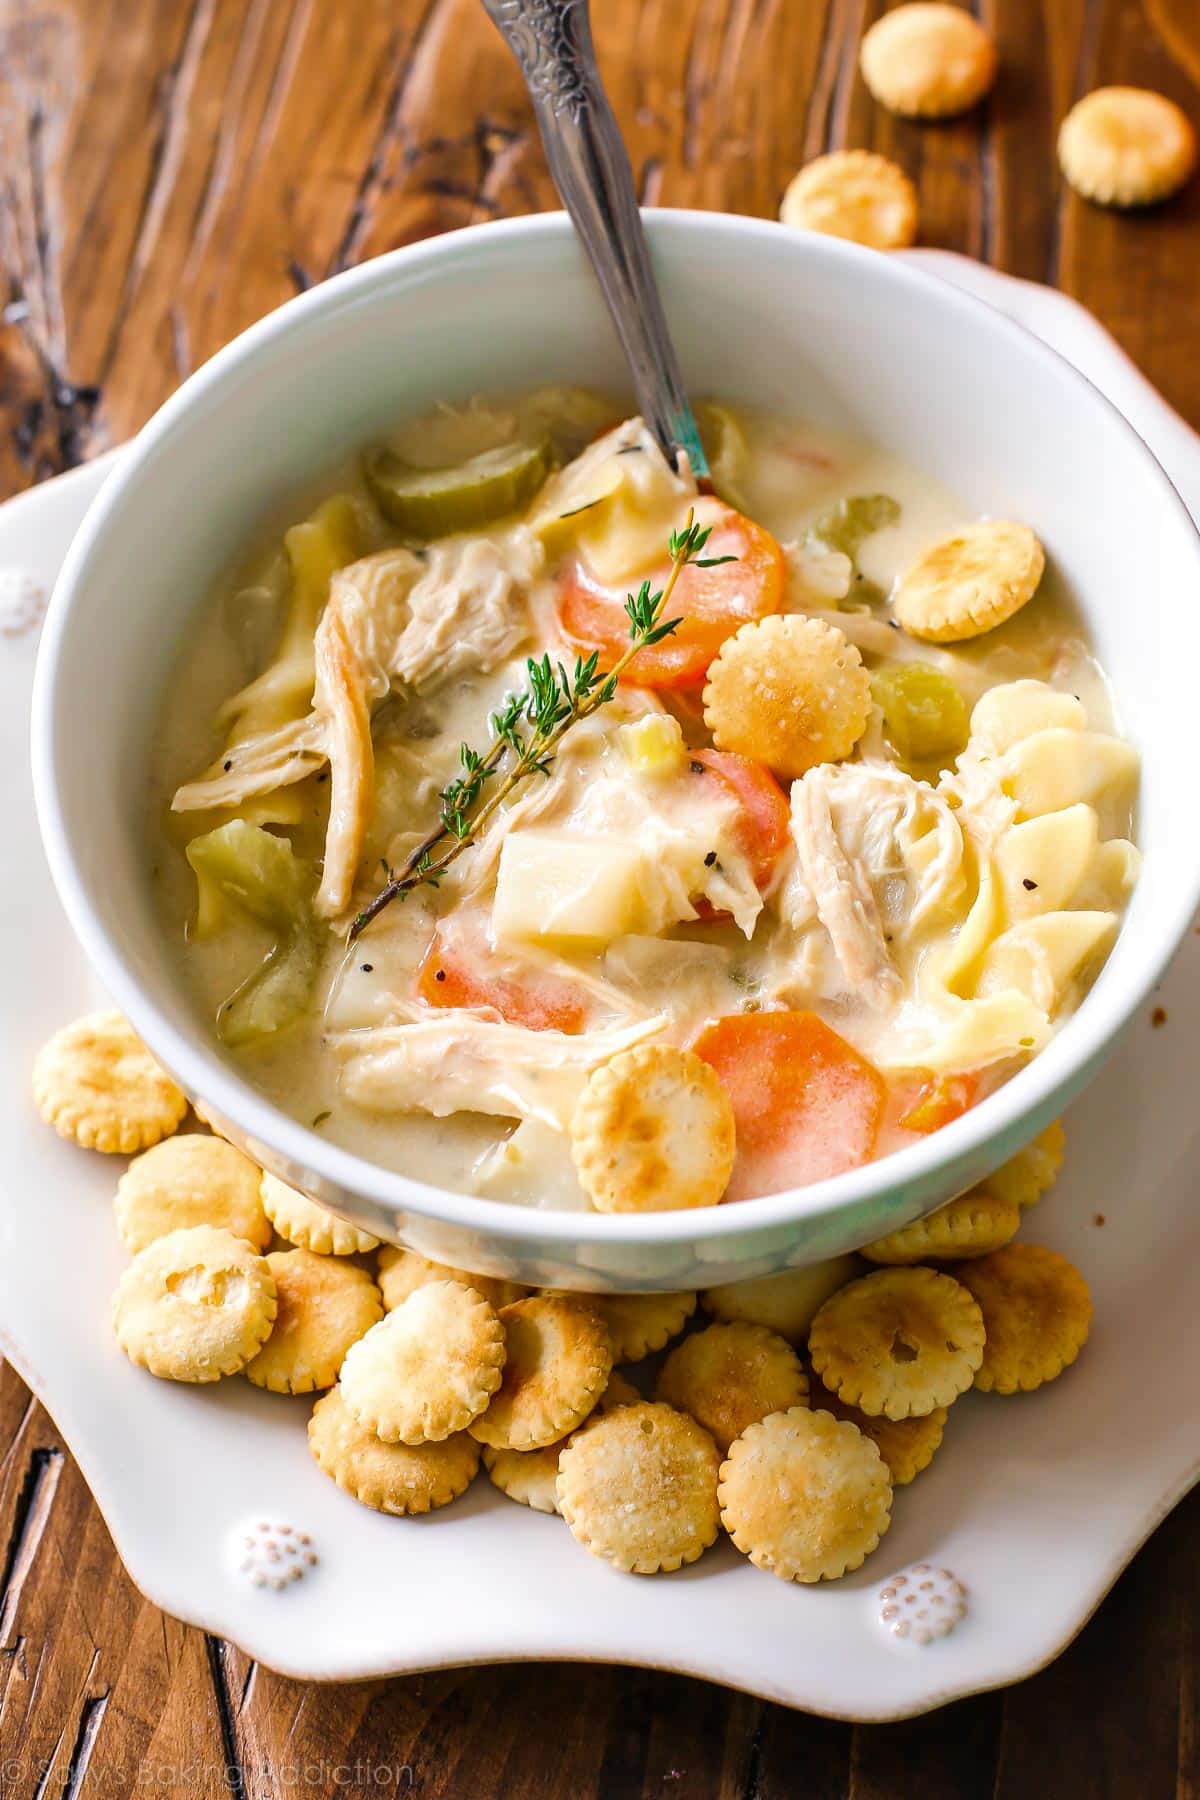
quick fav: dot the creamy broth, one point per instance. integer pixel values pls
(477, 1096)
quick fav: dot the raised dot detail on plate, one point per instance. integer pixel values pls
(934, 1603)
(22, 603)
(267, 1555)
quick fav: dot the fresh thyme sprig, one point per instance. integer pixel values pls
(529, 727)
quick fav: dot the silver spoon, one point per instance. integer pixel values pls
(552, 42)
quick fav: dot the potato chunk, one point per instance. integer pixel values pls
(568, 889)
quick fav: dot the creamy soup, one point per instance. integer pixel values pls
(862, 948)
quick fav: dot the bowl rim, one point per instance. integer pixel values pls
(1029, 1096)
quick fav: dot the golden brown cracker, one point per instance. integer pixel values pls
(194, 1305)
(390, 1478)
(428, 1368)
(788, 691)
(324, 1305)
(653, 1132)
(1037, 1310)
(898, 1342)
(97, 1084)
(804, 1495)
(639, 1488)
(190, 1179)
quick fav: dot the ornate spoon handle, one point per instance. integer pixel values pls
(552, 42)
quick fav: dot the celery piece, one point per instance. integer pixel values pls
(924, 715)
(275, 996)
(431, 503)
(212, 905)
(846, 524)
(261, 873)
(258, 870)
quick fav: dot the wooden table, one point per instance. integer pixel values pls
(169, 170)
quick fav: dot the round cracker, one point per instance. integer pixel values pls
(854, 194)
(391, 1478)
(788, 691)
(927, 61)
(788, 1302)
(527, 1476)
(653, 1132)
(907, 1446)
(402, 1272)
(638, 1324)
(309, 1226)
(428, 1368)
(970, 582)
(1025, 1177)
(898, 1342)
(97, 1084)
(1037, 1310)
(639, 1488)
(530, 1476)
(324, 1306)
(559, 1358)
(194, 1305)
(804, 1495)
(729, 1376)
(1126, 146)
(188, 1180)
(973, 1225)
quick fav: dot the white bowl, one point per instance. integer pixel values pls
(761, 315)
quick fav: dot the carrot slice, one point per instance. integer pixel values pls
(939, 1101)
(765, 817)
(538, 1001)
(712, 604)
(805, 1103)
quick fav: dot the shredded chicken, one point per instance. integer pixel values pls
(975, 786)
(391, 619)
(844, 900)
(342, 700)
(879, 853)
(260, 765)
(453, 1061)
(467, 610)
(373, 599)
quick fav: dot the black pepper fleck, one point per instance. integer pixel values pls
(367, 968)
(228, 764)
(710, 859)
(697, 768)
(439, 975)
(1028, 884)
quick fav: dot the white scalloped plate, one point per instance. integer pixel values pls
(1035, 1503)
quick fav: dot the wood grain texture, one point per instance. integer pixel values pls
(169, 171)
